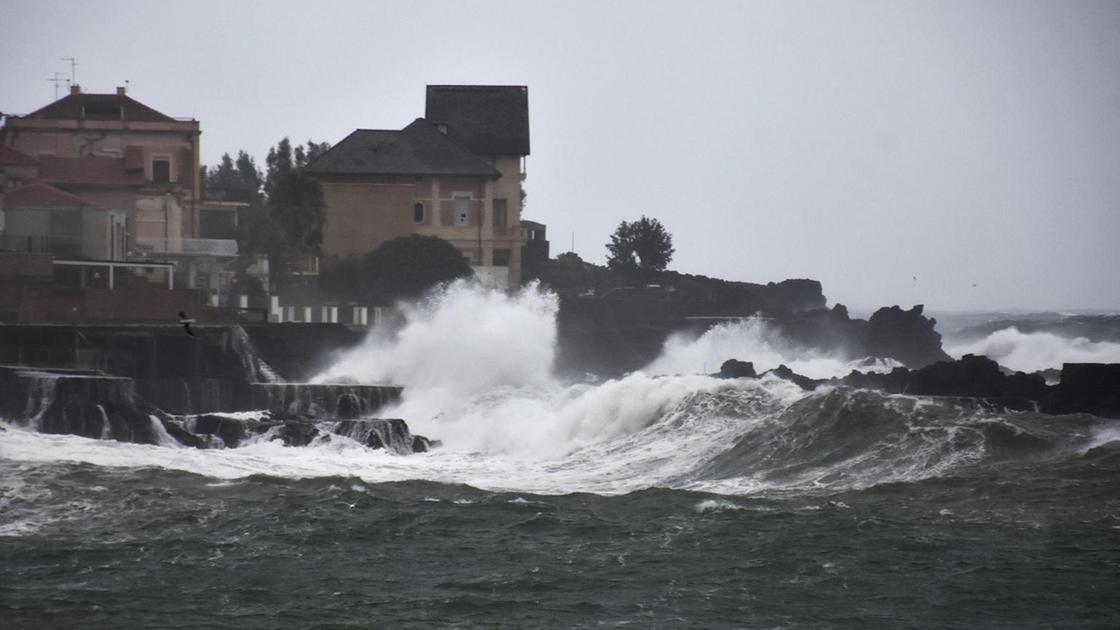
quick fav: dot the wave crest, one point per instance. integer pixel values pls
(1037, 351)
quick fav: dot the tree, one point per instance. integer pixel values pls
(295, 202)
(404, 267)
(642, 246)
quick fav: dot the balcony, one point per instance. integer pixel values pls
(219, 247)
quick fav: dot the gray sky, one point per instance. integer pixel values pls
(858, 143)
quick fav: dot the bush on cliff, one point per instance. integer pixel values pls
(641, 246)
(401, 268)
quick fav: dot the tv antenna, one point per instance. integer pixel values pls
(56, 81)
(73, 69)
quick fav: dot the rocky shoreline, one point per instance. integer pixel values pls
(1092, 388)
(92, 404)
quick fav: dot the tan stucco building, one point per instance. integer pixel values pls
(455, 174)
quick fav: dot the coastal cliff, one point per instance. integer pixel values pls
(610, 324)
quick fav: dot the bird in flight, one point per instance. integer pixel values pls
(186, 322)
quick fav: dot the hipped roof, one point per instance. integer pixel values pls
(11, 157)
(71, 107)
(418, 149)
(41, 195)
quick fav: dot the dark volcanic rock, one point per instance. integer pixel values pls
(298, 433)
(804, 382)
(76, 402)
(737, 369)
(391, 434)
(972, 376)
(1088, 387)
(890, 333)
(904, 335)
(421, 444)
(230, 430)
(1085, 387)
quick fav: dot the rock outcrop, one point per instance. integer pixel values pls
(95, 405)
(906, 336)
(1092, 388)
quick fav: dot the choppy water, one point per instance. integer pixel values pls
(654, 501)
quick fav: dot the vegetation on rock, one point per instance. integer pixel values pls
(404, 267)
(640, 246)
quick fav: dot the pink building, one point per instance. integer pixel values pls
(115, 152)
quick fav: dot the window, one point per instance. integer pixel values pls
(462, 211)
(501, 257)
(102, 112)
(161, 170)
(418, 212)
(501, 218)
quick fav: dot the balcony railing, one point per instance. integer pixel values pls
(188, 246)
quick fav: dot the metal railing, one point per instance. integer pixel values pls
(189, 246)
(26, 243)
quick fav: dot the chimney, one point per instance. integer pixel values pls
(75, 89)
(121, 90)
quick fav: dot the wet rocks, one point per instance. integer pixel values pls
(737, 369)
(1088, 387)
(95, 405)
(906, 336)
(1084, 387)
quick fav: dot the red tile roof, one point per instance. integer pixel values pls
(11, 157)
(42, 195)
(92, 170)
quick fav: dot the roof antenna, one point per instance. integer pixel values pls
(73, 70)
(56, 80)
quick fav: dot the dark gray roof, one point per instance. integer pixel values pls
(488, 119)
(418, 149)
(99, 107)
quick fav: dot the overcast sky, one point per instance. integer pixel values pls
(864, 144)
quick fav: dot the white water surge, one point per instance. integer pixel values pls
(477, 371)
(1032, 352)
(751, 340)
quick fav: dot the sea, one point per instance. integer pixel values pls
(664, 499)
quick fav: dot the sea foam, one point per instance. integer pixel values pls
(1032, 352)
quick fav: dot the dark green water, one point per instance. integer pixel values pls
(1024, 542)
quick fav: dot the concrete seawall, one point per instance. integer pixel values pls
(213, 370)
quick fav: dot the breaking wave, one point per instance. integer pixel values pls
(477, 371)
(1036, 351)
(751, 340)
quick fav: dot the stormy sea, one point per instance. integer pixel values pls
(663, 499)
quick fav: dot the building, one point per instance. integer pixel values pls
(116, 152)
(124, 162)
(42, 219)
(456, 174)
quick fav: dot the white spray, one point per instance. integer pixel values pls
(1031, 352)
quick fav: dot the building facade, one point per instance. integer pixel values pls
(455, 174)
(128, 172)
(116, 152)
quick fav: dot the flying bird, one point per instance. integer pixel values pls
(186, 322)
